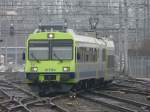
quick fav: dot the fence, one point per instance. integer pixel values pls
(139, 66)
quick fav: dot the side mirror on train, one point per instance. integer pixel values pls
(23, 56)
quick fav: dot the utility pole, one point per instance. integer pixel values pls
(126, 38)
(13, 33)
(1, 40)
(148, 21)
(120, 37)
(137, 32)
(145, 22)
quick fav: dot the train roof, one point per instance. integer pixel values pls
(87, 40)
(104, 42)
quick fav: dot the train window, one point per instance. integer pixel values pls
(62, 52)
(87, 54)
(78, 56)
(87, 58)
(40, 43)
(104, 54)
(62, 49)
(87, 49)
(91, 55)
(95, 55)
(83, 50)
(111, 61)
(62, 42)
(38, 50)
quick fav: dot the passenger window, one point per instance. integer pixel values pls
(104, 54)
(91, 54)
(111, 61)
(87, 54)
(87, 58)
(84, 54)
(78, 56)
(95, 55)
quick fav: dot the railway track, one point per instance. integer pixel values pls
(133, 83)
(16, 99)
(128, 89)
(117, 103)
(13, 98)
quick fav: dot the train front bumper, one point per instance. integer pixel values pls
(41, 77)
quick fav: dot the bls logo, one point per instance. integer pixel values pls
(50, 69)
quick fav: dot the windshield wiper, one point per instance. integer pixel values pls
(58, 57)
(34, 57)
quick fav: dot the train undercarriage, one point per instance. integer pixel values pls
(54, 88)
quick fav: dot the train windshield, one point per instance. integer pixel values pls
(38, 50)
(62, 49)
(52, 49)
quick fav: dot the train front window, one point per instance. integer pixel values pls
(38, 50)
(62, 50)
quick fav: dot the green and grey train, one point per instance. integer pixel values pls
(65, 60)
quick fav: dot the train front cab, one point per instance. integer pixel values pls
(49, 61)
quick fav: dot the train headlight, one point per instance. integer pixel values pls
(50, 36)
(34, 69)
(66, 69)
